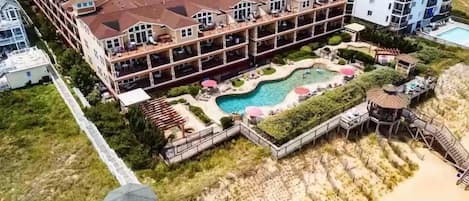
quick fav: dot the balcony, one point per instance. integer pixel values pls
(305, 20)
(264, 31)
(265, 46)
(210, 46)
(285, 25)
(445, 9)
(158, 60)
(235, 55)
(185, 69)
(334, 12)
(129, 67)
(140, 83)
(234, 39)
(319, 29)
(212, 62)
(332, 26)
(284, 40)
(321, 15)
(162, 76)
(432, 3)
(303, 34)
(184, 52)
(396, 26)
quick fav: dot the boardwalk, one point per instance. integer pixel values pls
(115, 165)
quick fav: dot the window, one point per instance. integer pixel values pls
(305, 4)
(278, 4)
(139, 33)
(387, 18)
(12, 14)
(17, 32)
(112, 43)
(242, 10)
(370, 13)
(28, 74)
(204, 18)
(186, 32)
(389, 7)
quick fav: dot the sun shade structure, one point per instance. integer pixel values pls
(209, 83)
(254, 111)
(161, 114)
(301, 90)
(133, 97)
(387, 97)
(131, 192)
(347, 71)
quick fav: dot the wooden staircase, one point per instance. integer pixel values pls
(427, 127)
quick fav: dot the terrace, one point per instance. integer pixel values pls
(184, 52)
(159, 59)
(235, 55)
(265, 30)
(185, 69)
(235, 39)
(211, 45)
(161, 76)
(212, 61)
(130, 66)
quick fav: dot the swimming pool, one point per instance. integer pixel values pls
(270, 93)
(457, 35)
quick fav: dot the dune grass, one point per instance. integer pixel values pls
(187, 180)
(462, 5)
(44, 156)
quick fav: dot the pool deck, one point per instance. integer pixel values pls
(434, 35)
(211, 108)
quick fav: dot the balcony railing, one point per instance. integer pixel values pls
(185, 70)
(164, 76)
(284, 41)
(318, 30)
(285, 25)
(303, 35)
(209, 47)
(159, 60)
(320, 16)
(304, 21)
(265, 47)
(183, 53)
(129, 69)
(335, 12)
(213, 62)
(233, 56)
(264, 32)
(333, 26)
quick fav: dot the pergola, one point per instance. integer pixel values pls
(385, 106)
(386, 52)
(161, 114)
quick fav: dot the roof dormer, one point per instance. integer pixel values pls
(83, 7)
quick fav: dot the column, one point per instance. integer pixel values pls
(173, 73)
(152, 81)
(149, 65)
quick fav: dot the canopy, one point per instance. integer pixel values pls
(209, 83)
(133, 97)
(131, 192)
(301, 90)
(254, 111)
(387, 97)
(355, 27)
(347, 71)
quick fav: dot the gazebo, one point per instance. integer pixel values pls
(354, 30)
(385, 106)
(386, 54)
(131, 192)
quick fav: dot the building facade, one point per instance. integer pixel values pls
(405, 16)
(12, 33)
(150, 44)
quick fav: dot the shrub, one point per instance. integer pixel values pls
(197, 111)
(268, 71)
(342, 62)
(369, 67)
(226, 122)
(346, 37)
(192, 89)
(94, 97)
(356, 55)
(315, 45)
(299, 55)
(237, 82)
(389, 40)
(306, 49)
(278, 59)
(293, 122)
(334, 40)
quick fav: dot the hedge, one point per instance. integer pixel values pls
(310, 113)
(353, 54)
(390, 40)
(185, 89)
(197, 111)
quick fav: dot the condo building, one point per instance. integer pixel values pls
(156, 43)
(405, 16)
(12, 33)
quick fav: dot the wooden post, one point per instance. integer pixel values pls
(397, 128)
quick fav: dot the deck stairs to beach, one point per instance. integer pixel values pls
(429, 130)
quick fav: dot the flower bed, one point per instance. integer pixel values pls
(293, 122)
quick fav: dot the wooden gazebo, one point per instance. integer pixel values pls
(385, 106)
(385, 52)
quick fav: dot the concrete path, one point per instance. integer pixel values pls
(115, 165)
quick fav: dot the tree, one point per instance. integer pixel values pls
(83, 77)
(68, 58)
(94, 97)
(145, 131)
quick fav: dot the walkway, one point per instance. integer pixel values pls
(115, 165)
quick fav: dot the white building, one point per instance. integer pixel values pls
(12, 33)
(404, 16)
(23, 67)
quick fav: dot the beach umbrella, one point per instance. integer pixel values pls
(254, 111)
(347, 71)
(301, 90)
(209, 83)
(131, 192)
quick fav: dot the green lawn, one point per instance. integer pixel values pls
(187, 180)
(43, 154)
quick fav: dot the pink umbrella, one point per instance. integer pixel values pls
(301, 90)
(254, 111)
(209, 83)
(347, 71)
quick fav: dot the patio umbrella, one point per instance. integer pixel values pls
(347, 71)
(254, 111)
(301, 90)
(209, 83)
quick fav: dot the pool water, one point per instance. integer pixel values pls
(457, 35)
(270, 93)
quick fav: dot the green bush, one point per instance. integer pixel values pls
(334, 40)
(389, 40)
(192, 89)
(346, 37)
(342, 62)
(226, 122)
(369, 67)
(306, 48)
(315, 45)
(237, 82)
(268, 71)
(197, 111)
(356, 55)
(293, 122)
